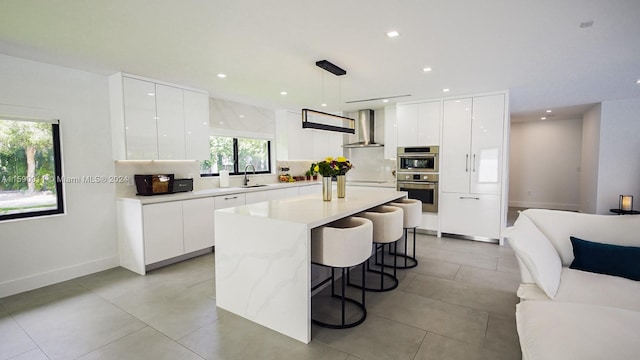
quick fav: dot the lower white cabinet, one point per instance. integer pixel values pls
(162, 224)
(227, 201)
(475, 215)
(151, 233)
(197, 220)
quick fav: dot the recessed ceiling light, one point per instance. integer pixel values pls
(393, 34)
(323, 105)
(543, 118)
(548, 111)
(221, 76)
(426, 69)
(151, 94)
(638, 82)
(385, 100)
(283, 93)
(446, 90)
(221, 122)
(241, 116)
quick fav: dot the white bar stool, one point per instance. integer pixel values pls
(342, 244)
(412, 210)
(387, 229)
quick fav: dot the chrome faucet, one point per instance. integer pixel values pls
(246, 178)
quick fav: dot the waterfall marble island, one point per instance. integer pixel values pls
(263, 255)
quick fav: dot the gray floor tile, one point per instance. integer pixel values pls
(72, 326)
(504, 281)
(455, 321)
(436, 268)
(112, 283)
(437, 347)
(15, 340)
(502, 337)
(459, 257)
(232, 337)
(143, 344)
(35, 354)
(455, 292)
(171, 309)
(508, 264)
(376, 338)
(186, 273)
(43, 296)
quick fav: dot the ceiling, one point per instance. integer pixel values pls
(538, 50)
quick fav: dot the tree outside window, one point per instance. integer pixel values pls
(29, 168)
(234, 154)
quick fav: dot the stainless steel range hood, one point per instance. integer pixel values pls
(365, 126)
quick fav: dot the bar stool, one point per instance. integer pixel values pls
(412, 210)
(387, 229)
(342, 244)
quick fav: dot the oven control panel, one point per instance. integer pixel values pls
(417, 177)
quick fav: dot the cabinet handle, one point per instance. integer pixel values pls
(466, 163)
(474, 162)
(231, 198)
(469, 198)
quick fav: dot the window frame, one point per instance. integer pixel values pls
(59, 176)
(236, 160)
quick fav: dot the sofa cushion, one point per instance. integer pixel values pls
(584, 287)
(537, 254)
(607, 259)
(558, 330)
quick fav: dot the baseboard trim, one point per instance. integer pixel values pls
(35, 281)
(541, 205)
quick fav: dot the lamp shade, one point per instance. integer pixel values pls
(625, 203)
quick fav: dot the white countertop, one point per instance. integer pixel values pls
(213, 192)
(313, 211)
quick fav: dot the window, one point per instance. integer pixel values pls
(30, 169)
(235, 154)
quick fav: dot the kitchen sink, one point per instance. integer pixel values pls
(252, 186)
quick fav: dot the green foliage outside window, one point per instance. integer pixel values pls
(234, 154)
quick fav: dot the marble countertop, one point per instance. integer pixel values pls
(313, 211)
(213, 192)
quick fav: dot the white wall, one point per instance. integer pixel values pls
(619, 163)
(590, 158)
(544, 164)
(43, 251)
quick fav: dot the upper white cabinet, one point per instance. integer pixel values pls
(472, 145)
(156, 121)
(390, 133)
(418, 124)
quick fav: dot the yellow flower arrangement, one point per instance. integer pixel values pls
(331, 167)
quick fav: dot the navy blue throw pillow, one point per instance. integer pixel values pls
(606, 259)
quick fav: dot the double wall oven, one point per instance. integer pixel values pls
(418, 175)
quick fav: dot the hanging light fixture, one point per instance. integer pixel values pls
(324, 121)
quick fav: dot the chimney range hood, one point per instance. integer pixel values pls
(365, 126)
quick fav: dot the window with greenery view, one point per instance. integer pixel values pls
(30, 166)
(234, 154)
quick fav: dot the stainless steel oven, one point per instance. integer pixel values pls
(418, 159)
(420, 186)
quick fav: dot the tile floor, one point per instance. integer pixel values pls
(458, 303)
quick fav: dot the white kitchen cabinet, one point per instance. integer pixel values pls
(170, 122)
(390, 133)
(163, 231)
(470, 214)
(196, 125)
(227, 201)
(151, 120)
(256, 196)
(471, 166)
(197, 219)
(418, 124)
(140, 137)
(472, 145)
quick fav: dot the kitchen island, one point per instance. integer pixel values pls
(263, 255)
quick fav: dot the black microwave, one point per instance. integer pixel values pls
(154, 184)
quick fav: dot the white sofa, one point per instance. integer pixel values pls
(566, 313)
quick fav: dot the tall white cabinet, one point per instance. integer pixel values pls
(151, 120)
(472, 165)
(418, 124)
